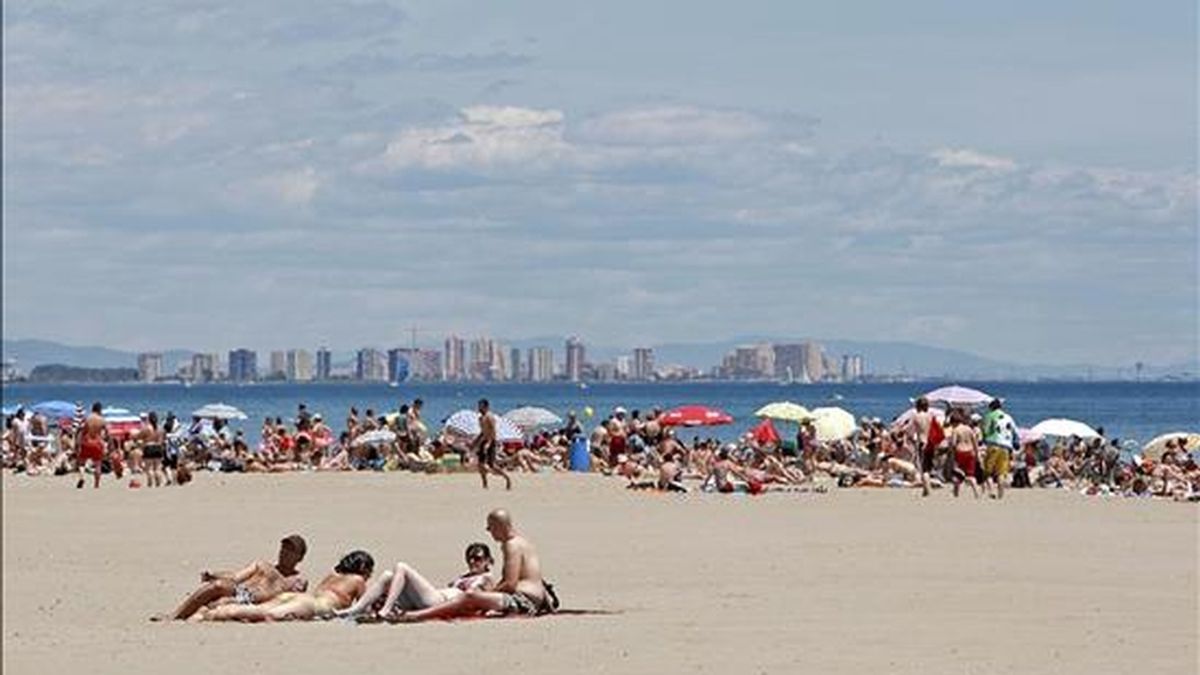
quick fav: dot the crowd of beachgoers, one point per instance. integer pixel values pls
(973, 446)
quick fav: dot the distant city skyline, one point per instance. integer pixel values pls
(1014, 179)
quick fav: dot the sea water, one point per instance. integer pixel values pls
(1135, 411)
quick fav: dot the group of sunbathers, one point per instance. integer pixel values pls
(263, 591)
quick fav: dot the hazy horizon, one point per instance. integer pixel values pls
(1017, 182)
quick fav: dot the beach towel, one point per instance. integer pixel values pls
(936, 434)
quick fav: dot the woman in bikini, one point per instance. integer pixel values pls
(336, 591)
(407, 590)
(154, 449)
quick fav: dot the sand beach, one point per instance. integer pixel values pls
(1046, 581)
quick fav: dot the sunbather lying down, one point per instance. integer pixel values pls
(404, 589)
(520, 592)
(336, 591)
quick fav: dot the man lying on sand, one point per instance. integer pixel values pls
(407, 590)
(521, 591)
(258, 582)
(336, 591)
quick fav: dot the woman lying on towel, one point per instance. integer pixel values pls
(407, 590)
(336, 591)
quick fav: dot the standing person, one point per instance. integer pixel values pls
(572, 428)
(154, 450)
(921, 433)
(966, 449)
(93, 437)
(416, 428)
(999, 436)
(485, 446)
(20, 435)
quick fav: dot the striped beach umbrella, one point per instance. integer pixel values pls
(466, 423)
(531, 417)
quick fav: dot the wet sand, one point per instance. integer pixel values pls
(851, 581)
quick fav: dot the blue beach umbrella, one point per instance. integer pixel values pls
(57, 410)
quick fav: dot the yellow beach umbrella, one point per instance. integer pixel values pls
(784, 411)
(833, 424)
(1155, 448)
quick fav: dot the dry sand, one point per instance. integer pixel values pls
(852, 581)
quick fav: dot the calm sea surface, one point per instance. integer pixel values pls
(1128, 410)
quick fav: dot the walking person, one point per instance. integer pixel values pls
(485, 446)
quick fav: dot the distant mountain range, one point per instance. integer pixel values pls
(893, 358)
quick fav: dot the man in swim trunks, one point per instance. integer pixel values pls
(999, 439)
(485, 446)
(259, 581)
(93, 439)
(520, 592)
(918, 431)
(336, 591)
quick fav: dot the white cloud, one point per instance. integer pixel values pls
(972, 159)
(673, 125)
(484, 136)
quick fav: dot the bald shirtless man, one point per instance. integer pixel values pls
(520, 592)
(485, 446)
(93, 439)
(258, 582)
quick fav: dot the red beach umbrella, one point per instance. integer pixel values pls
(696, 416)
(765, 433)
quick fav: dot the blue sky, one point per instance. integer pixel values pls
(1015, 179)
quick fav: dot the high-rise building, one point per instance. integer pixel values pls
(299, 365)
(541, 364)
(488, 360)
(243, 365)
(278, 365)
(514, 365)
(814, 361)
(427, 365)
(455, 360)
(402, 364)
(371, 365)
(852, 367)
(643, 363)
(789, 361)
(324, 364)
(623, 367)
(204, 367)
(150, 366)
(575, 359)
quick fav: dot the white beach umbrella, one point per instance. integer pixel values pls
(1063, 428)
(531, 417)
(376, 437)
(903, 418)
(784, 411)
(833, 424)
(219, 411)
(957, 395)
(1155, 448)
(466, 423)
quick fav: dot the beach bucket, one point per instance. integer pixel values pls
(581, 457)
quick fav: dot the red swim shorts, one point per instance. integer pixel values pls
(91, 449)
(965, 461)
